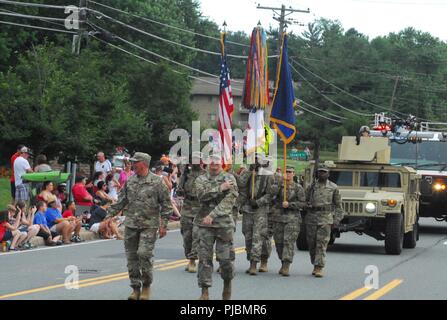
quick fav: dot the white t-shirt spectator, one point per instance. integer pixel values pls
(20, 167)
(105, 166)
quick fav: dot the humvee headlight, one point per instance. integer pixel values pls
(439, 187)
(370, 207)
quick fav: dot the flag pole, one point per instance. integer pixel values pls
(284, 171)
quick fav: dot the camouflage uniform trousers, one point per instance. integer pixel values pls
(255, 230)
(267, 243)
(285, 235)
(190, 236)
(318, 237)
(139, 246)
(223, 237)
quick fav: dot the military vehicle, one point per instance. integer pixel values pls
(379, 199)
(422, 146)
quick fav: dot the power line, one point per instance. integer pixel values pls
(50, 22)
(27, 16)
(158, 55)
(340, 89)
(166, 25)
(327, 98)
(36, 27)
(154, 63)
(321, 110)
(28, 4)
(166, 40)
(318, 115)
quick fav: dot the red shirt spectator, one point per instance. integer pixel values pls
(71, 209)
(80, 193)
(13, 158)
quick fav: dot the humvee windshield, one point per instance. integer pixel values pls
(341, 178)
(380, 179)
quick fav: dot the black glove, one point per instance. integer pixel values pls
(253, 204)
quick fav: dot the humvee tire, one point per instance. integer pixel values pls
(394, 234)
(301, 242)
(410, 238)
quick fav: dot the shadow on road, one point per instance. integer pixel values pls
(441, 229)
(357, 248)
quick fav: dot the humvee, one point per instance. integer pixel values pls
(379, 199)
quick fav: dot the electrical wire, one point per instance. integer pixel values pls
(318, 115)
(28, 4)
(166, 25)
(342, 90)
(36, 27)
(329, 99)
(324, 111)
(27, 16)
(50, 22)
(154, 63)
(157, 55)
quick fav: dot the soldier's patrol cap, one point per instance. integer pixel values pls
(215, 158)
(323, 167)
(141, 156)
(290, 168)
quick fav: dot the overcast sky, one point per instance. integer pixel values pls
(370, 17)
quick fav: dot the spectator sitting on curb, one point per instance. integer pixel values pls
(70, 211)
(106, 228)
(12, 229)
(58, 224)
(51, 238)
(26, 224)
(112, 186)
(97, 177)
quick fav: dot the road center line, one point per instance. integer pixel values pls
(384, 290)
(355, 294)
(106, 279)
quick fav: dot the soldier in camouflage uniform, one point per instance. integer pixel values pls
(217, 193)
(287, 218)
(324, 211)
(146, 199)
(190, 209)
(255, 210)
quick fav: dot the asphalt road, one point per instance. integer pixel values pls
(415, 274)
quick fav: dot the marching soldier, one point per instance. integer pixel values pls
(255, 212)
(324, 212)
(190, 208)
(146, 199)
(287, 218)
(217, 193)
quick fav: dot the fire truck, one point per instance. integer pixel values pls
(422, 146)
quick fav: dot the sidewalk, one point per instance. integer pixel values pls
(89, 236)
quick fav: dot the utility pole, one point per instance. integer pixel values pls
(394, 92)
(283, 22)
(77, 38)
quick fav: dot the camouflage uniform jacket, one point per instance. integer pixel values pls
(261, 192)
(145, 199)
(191, 204)
(326, 204)
(295, 197)
(242, 184)
(219, 205)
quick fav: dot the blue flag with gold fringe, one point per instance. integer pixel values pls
(283, 114)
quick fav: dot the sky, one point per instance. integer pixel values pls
(370, 17)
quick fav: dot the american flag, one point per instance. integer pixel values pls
(226, 109)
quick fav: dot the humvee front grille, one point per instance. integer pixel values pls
(352, 207)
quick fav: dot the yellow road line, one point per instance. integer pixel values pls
(105, 279)
(384, 290)
(355, 294)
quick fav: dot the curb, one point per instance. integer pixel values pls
(90, 236)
